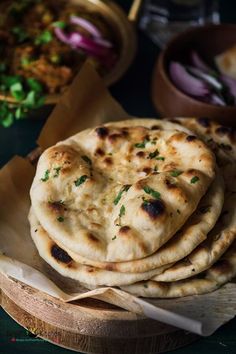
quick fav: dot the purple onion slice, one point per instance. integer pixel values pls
(87, 25)
(186, 82)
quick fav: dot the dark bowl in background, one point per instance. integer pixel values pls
(208, 41)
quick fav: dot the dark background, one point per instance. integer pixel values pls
(133, 92)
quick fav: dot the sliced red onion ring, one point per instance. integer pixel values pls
(78, 41)
(103, 42)
(198, 62)
(230, 83)
(87, 25)
(91, 47)
(215, 99)
(186, 82)
(61, 35)
(211, 80)
(81, 42)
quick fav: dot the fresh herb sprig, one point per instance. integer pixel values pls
(125, 188)
(152, 192)
(28, 95)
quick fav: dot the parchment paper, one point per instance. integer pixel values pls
(85, 104)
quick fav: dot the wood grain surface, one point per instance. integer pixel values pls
(88, 326)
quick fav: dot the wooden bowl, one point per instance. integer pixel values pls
(124, 32)
(171, 102)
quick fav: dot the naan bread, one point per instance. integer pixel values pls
(64, 264)
(188, 238)
(100, 195)
(221, 139)
(224, 232)
(218, 241)
(220, 273)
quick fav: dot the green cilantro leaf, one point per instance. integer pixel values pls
(17, 91)
(34, 85)
(30, 99)
(87, 159)
(113, 238)
(125, 188)
(175, 173)
(57, 171)
(9, 80)
(60, 218)
(8, 120)
(153, 154)
(194, 179)
(142, 144)
(160, 158)
(122, 211)
(152, 192)
(46, 176)
(59, 24)
(44, 38)
(20, 113)
(80, 180)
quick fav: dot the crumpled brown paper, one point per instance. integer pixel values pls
(87, 103)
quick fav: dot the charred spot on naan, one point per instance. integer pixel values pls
(222, 267)
(140, 154)
(155, 127)
(147, 170)
(99, 152)
(175, 121)
(170, 184)
(93, 239)
(124, 230)
(57, 206)
(62, 155)
(204, 122)
(191, 138)
(154, 208)
(60, 255)
(111, 267)
(108, 161)
(102, 132)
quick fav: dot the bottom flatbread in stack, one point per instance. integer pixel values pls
(199, 257)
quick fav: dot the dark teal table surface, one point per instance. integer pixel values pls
(133, 92)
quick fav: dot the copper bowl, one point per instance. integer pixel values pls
(171, 102)
(125, 34)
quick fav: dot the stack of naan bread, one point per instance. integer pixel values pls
(145, 205)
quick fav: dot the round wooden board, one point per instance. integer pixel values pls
(88, 325)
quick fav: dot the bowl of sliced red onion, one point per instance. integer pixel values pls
(195, 75)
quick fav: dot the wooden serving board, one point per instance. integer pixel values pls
(88, 325)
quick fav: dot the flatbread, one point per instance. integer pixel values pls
(224, 232)
(188, 238)
(221, 139)
(78, 180)
(220, 273)
(62, 262)
(217, 242)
